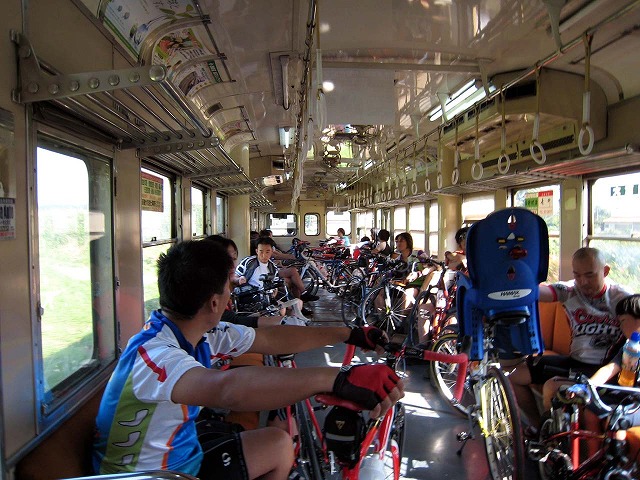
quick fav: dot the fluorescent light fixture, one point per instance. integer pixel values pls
(460, 100)
(285, 136)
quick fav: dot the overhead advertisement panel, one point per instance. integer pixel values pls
(131, 22)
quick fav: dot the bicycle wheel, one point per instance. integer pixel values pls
(384, 307)
(443, 375)
(557, 464)
(310, 281)
(309, 461)
(351, 301)
(500, 423)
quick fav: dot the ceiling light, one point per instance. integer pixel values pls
(285, 136)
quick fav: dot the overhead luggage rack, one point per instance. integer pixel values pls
(137, 107)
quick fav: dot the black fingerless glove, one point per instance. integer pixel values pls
(366, 385)
(366, 338)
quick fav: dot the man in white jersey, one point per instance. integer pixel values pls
(590, 301)
(147, 417)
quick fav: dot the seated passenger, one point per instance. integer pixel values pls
(248, 320)
(146, 419)
(290, 274)
(628, 311)
(457, 260)
(341, 240)
(382, 246)
(589, 301)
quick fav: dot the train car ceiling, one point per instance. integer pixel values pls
(361, 86)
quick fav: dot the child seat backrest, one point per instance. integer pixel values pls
(507, 257)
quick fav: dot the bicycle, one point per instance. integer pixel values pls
(488, 401)
(558, 449)
(324, 456)
(335, 277)
(385, 305)
(442, 319)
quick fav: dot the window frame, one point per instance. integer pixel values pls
(330, 232)
(590, 236)
(205, 223)
(304, 223)
(224, 208)
(175, 196)
(54, 404)
(552, 235)
(270, 225)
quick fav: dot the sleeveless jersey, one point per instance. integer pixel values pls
(595, 329)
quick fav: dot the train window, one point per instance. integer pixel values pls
(221, 215)
(545, 201)
(364, 224)
(283, 224)
(399, 220)
(198, 209)
(311, 224)
(433, 227)
(476, 207)
(614, 225)
(336, 220)
(417, 225)
(75, 267)
(158, 227)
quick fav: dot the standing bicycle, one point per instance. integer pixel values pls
(507, 257)
(560, 449)
(348, 446)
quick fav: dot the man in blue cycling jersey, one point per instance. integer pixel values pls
(147, 417)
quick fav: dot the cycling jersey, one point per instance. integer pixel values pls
(595, 329)
(138, 427)
(249, 265)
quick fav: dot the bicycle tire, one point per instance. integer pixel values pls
(310, 281)
(504, 443)
(309, 460)
(389, 319)
(350, 308)
(443, 375)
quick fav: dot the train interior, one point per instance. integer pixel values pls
(299, 116)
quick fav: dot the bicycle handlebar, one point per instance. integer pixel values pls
(585, 392)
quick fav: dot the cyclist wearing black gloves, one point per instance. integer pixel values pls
(146, 419)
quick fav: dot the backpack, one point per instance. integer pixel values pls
(344, 430)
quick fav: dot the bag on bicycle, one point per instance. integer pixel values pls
(344, 431)
(249, 298)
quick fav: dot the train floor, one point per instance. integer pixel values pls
(431, 448)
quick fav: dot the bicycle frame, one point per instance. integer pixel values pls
(376, 439)
(608, 458)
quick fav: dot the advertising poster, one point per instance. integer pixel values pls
(177, 48)
(7, 218)
(545, 203)
(151, 192)
(131, 22)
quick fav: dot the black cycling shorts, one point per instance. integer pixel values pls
(221, 447)
(223, 457)
(539, 374)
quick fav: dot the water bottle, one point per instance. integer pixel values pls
(372, 468)
(630, 357)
